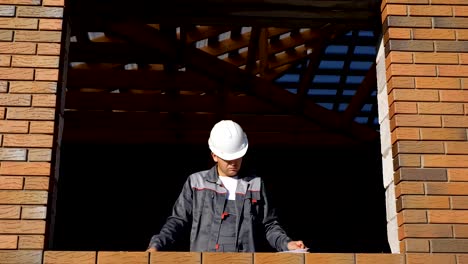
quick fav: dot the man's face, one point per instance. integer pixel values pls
(227, 167)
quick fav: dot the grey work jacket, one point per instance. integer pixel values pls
(201, 204)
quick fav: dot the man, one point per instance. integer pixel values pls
(227, 210)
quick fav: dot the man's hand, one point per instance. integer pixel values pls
(152, 249)
(296, 245)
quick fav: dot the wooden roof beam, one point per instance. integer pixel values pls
(232, 75)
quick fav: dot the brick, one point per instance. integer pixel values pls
(405, 2)
(6, 35)
(424, 231)
(408, 22)
(463, 58)
(40, 155)
(443, 134)
(398, 57)
(430, 10)
(50, 24)
(16, 74)
(460, 231)
(70, 257)
(48, 49)
(11, 183)
(422, 202)
(456, 147)
(448, 2)
(454, 121)
(462, 34)
(38, 36)
(406, 160)
(460, 11)
(125, 257)
(21, 256)
(378, 258)
(32, 87)
(450, 22)
(413, 95)
(456, 161)
(451, 46)
(420, 174)
(35, 61)
(434, 34)
(448, 216)
(404, 133)
(21, 2)
(42, 127)
(53, 2)
(36, 183)
(414, 245)
(459, 202)
(441, 108)
(12, 126)
(33, 140)
(462, 258)
(17, 48)
(403, 108)
(22, 226)
(411, 217)
(15, 99)
(451, 188)
(33, 212)
(415, 121)
(419, 258)
(10, 211)
(25, 168)
(44, 100)
(326, 258)
(437, 83)
(435, 58)
(19, 23)
(449, 245)
(406, 187)
(8, 242)
(400, 82)
(419, 147)
(454, 96)
(39, 11)
(409, 45)
(31, 242)
(397, 33)
(5, 60)
(22, 197)
(46, 75)
(397, 10)
(7, 11)
(3, 86)
(31, 113)
(457, 174)
(411, 70)
(453, 70)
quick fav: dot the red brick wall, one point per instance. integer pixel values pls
(30, 36)
(426, 77)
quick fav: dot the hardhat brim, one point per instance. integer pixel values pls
(229, 156)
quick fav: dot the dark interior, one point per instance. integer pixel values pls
(114, 197)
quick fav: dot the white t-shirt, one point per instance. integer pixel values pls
(231, 185)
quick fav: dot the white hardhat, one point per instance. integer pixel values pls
(227, 140)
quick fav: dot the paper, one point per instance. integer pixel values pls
(299, 250)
